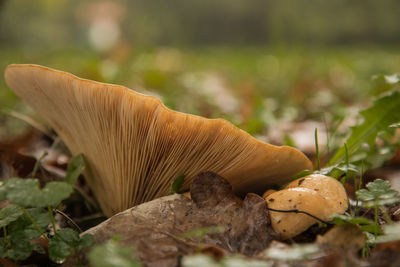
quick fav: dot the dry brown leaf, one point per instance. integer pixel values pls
(13, 164)
(342, 243)
(157, 229)
(345, 237)
(386, 255)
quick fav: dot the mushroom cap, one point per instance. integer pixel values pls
(134, 146)
(268, 192)
(329, 188)
(291, 224)
(317, 194)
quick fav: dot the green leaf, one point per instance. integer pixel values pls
(20, 249)
(26, 192)
(22, 192)
(23, 228)
(201, 232)
(364, 223)
(65, 241)
(339, 170)
(3, 247)
(378, 193)
(383, 113)
(177, 184)
(38, 248)
(340, 219)
(86, 241)
(75, 168)
(3, 191)
(9, 214)
(62, 244)
(112, 254)
(55, 192)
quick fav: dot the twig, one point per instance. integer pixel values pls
(37, 164)
(300, 211)
(69, 219)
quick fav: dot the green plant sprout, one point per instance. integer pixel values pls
(360, 182)
(37, 164)
(317, 148)
(31, 211)
(378, 195)
(177, 184)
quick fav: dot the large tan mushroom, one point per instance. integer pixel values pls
(134, 146)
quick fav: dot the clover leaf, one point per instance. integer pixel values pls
(378, 193)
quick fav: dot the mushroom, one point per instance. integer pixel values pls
(134, 146)
(316, 194)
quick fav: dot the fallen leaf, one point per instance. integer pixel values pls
(385, 254)
(157, 228)
(346, 238)
(13, 164)
(342, 244)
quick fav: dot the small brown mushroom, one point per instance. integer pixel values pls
(134, 146)
(327, 187)
(316, 194)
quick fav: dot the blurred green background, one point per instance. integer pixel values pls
(257, 63)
